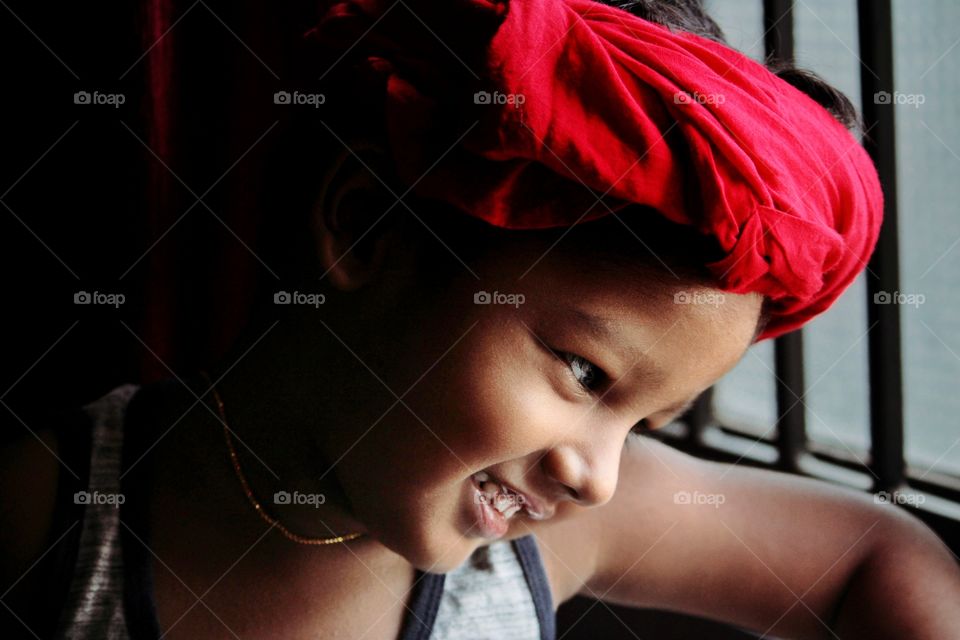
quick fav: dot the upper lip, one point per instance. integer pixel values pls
(536, 507)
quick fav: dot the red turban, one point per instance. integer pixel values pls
(546, 113)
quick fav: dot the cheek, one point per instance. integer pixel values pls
(496, 401)
(490, 400)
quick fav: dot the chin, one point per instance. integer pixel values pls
(445, 555)
(431, 550)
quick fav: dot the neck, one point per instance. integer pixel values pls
(278, 429)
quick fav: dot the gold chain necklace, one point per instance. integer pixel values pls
(251, 498)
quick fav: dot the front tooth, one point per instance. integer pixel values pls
(481, 476)
(489, 490)
(490, 487)
(511, 511)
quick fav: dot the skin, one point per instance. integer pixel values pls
(394, 393)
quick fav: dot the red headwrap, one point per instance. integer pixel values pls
(546, 113)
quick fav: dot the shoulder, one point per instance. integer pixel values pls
(44, 460)
(727, 541)
(29, 474)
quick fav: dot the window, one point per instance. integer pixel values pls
(865, 394)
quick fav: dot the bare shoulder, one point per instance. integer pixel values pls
(733, 543)
(28, 484)
(721, 541)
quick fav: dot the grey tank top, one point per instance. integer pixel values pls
(110, 583)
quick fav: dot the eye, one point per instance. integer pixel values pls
(587, 375)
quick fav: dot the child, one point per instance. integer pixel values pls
(549, 226)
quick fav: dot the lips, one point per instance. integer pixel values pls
(507, 500)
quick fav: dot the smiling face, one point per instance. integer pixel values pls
(539, 396)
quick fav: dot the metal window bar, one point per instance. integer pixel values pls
(886, 382)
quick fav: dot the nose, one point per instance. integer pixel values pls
(587, 471)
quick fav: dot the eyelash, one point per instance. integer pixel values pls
(568, 359)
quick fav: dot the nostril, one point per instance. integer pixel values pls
(562, 465)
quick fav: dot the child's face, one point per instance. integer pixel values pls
(490, 395)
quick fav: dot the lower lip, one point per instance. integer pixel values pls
(489, 522)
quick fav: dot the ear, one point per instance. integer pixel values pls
(350, 222)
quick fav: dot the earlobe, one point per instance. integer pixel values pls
(335, 263)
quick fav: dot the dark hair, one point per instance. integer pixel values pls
(690, 16)
(678, 15)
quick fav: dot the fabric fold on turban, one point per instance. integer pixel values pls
(533, 114)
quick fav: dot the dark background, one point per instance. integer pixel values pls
(103, 198)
